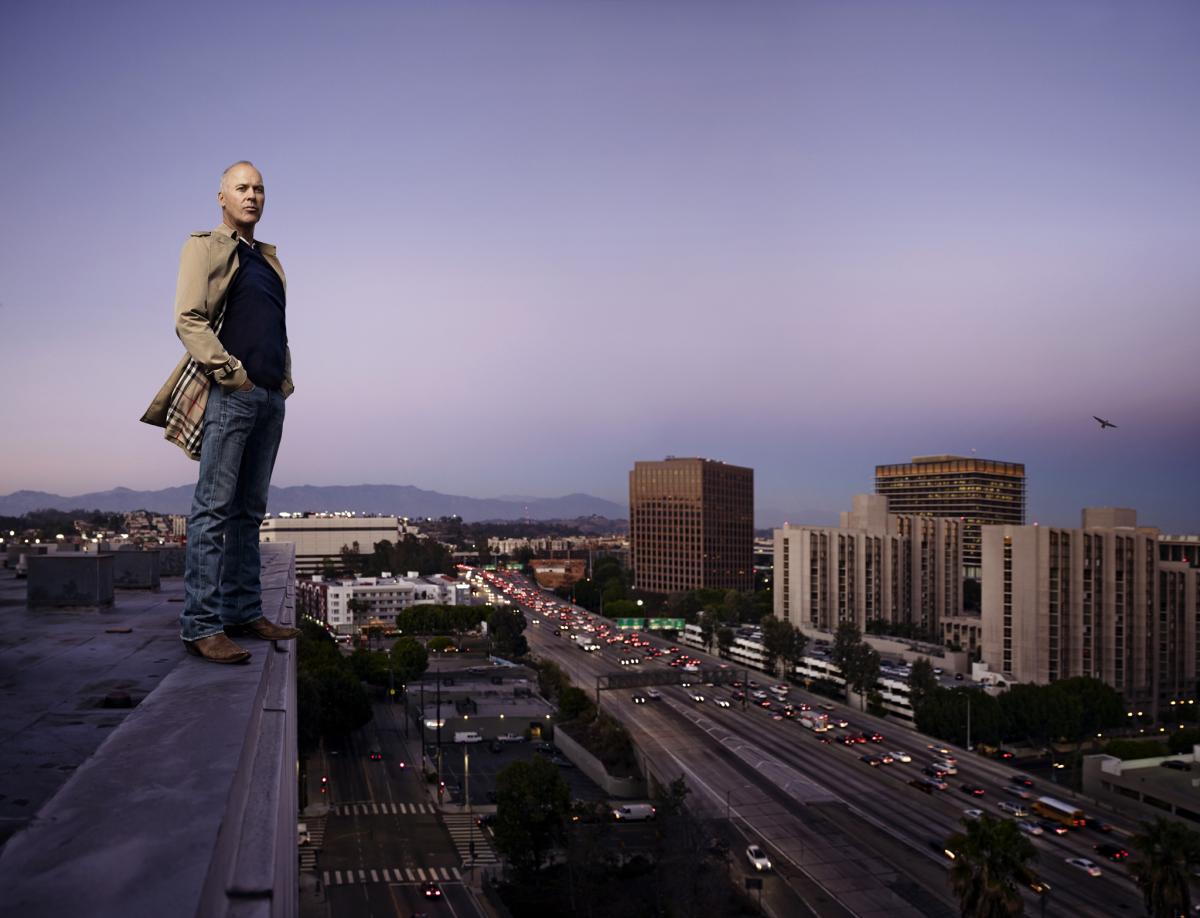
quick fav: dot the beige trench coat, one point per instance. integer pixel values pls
(206, 266)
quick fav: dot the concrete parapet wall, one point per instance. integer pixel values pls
(189, 806)
(623, 788)
(70, 580)
(137, 570)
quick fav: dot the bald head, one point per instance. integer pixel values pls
(242, 197)
(230, 168)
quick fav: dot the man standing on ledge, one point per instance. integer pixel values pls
(224, 405)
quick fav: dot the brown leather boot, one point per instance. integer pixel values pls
(264, 628)
(217, 648)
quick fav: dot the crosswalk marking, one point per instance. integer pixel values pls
(392, 875)
(463, 831)
(316, 835)
(384, 809)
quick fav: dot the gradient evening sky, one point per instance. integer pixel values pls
(528, 243)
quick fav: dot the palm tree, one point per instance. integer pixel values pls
(1168, 851)
(991, 858)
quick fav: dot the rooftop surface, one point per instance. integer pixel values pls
(144, 810)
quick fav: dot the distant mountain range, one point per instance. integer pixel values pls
(401, 500)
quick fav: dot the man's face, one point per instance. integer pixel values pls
(242, 196)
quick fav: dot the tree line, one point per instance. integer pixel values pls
(1069, 709)
(331, 695)
(45, 524)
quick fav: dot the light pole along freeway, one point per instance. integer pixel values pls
(861, 833)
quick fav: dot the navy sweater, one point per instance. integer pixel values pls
(255, 328)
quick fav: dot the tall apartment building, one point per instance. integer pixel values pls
(320, 537)
(691, 524)
(975, 491)
(1094, 601)
(875, 567)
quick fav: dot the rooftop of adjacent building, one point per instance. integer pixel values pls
(686, 460)
(128, 766)
(947, 463)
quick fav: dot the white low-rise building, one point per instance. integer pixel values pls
(346, 606)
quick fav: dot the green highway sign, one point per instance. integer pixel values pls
(631, 623)
(665, 624)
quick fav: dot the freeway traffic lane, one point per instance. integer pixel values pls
(917, 818)
(920, 811)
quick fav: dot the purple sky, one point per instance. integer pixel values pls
(529, 243)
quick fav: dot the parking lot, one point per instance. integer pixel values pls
(486, 760)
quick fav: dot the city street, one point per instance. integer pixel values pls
(384, 837)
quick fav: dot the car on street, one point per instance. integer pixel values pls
(871, 759)
(722, 702)
(1056, 827)
(375, 755)
(1112, 852)
(1013, 809)
(758, 858)
(1030, 828)
(940, 848)
(1090, 867)
(901, 756)
(973, 789)
(973, 814)
(1018, 791)
(697, 697)
(639, 699)
(1023, 780)
(431, 890)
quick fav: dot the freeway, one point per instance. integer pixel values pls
(860, 834)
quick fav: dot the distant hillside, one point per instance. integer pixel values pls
(401, 500)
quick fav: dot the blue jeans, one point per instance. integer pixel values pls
(222, 582)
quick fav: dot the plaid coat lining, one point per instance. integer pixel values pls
(189, 398)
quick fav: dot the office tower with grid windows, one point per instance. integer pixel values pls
(974, 491)
(691, 525)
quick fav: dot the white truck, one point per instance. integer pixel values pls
(467, 736)
(633, 812)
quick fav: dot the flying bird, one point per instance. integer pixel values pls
(1103, 423)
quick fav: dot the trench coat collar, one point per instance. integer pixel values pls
(226, 233)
